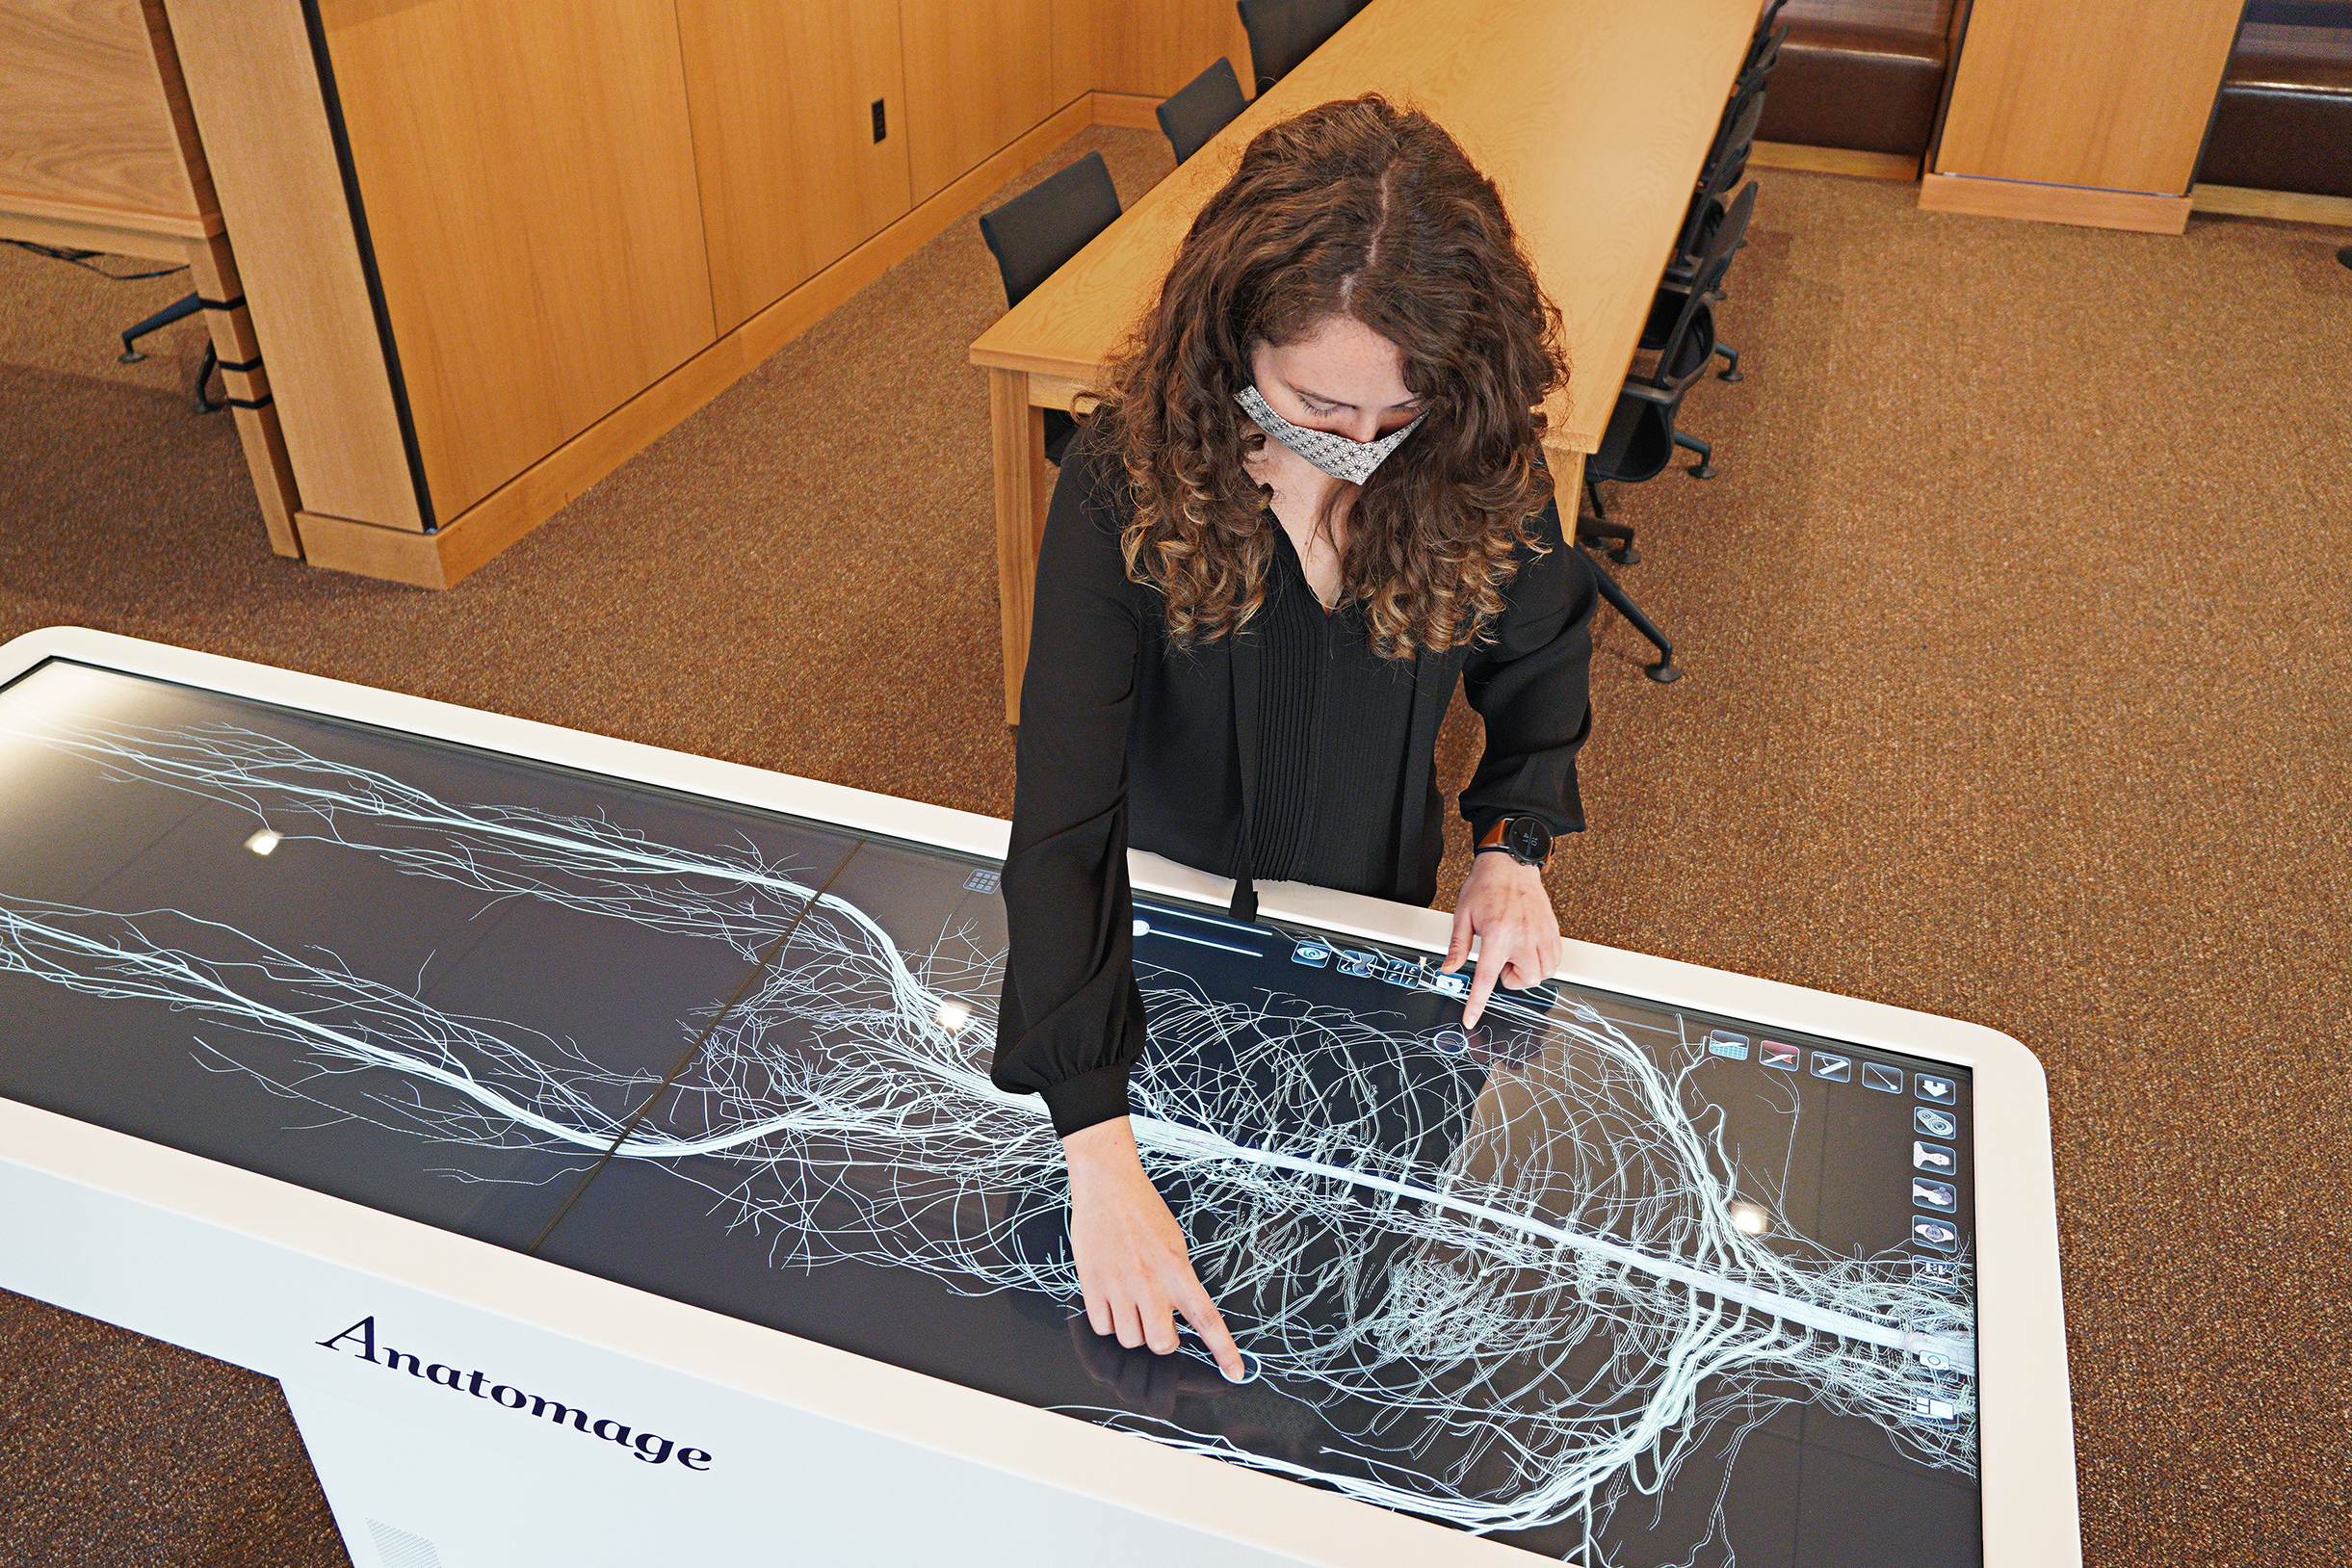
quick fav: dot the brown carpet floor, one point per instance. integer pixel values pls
(2020, 689)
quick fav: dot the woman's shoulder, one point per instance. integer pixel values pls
(1095, 473)
(1552, 579)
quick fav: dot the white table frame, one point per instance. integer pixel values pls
(822, 1456)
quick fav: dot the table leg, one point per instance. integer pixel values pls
(214, 271)
(1016, 433)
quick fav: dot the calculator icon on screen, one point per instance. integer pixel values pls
(1933, 1122)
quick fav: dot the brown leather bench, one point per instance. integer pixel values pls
(2285, 121)
(1855, 85)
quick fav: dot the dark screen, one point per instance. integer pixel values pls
(1614, 1282)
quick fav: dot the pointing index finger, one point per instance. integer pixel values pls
(1482, 986)
(1210, 1324)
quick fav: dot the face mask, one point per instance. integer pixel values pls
(1335, 454)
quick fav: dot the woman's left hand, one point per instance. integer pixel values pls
(1504, 905)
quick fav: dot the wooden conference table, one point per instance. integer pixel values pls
(1592, 117)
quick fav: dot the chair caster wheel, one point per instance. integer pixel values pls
(1665, 672)
(1704, 470)
(1731, 375)
(1625, 555)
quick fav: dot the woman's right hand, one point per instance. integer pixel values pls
(1132, 1261)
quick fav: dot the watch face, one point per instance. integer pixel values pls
(1527, 838)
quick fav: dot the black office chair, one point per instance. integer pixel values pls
(1031, 235)
(1282, 33)
(178, 310)
(1757, 39)
(1720, 173)
(1641, 436)
(1201, 107)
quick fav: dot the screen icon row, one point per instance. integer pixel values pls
(1830, 1066)
(1400, 972)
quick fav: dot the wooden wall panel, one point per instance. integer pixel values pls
(1073, 47)
(1155, 49)
(254, 87)
(527, 173)
(978, 73)
(87, 114)
(791, 176)
(2113, 94)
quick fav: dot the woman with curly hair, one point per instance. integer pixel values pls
(1309, 501)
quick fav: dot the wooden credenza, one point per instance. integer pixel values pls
(2089, 112)
(491, 248)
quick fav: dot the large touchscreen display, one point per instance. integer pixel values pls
(1614, 1282)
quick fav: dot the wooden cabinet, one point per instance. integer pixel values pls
(497, 246)
(526, 178)
(792, 174)
(92, 116)
(2089, 113)
(978, 73)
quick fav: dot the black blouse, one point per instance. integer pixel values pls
(1293, 725)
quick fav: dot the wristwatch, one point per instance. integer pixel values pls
(1525, 839)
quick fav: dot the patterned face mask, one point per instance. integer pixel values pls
(1335, 454)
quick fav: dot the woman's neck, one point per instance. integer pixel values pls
(1301, 490)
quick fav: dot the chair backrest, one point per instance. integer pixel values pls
(1201, 107)
(1764, 33)
(1725, 164)
(1282, 33)
(1760, 63)
(1713, 263)
(1037, 231)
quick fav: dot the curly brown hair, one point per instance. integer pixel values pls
(1362, 209)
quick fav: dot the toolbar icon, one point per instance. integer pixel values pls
(1935, 1157)
(1935, 1123)
(1935, 1087)
(1929, 1194)
(1722, 1042)
(1885, 1080)
(1362, 965)
(1456, 985)
(1773, 1054)
(1404, 972)
(1835, 1068)
(1936, 1275)
(983, 880)
(1314, 954)
(1927, 1408)
(1940, 1234)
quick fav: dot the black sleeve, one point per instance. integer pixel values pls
(1070, 1020)
(1530, 681)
